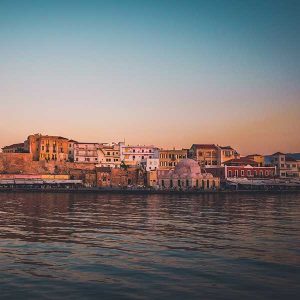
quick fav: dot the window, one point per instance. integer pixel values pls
(163, 183)
(282, 165)
(261, 172)
(255, 173)
(207, 184)
(236, 173)
(242, 173)
(229, 173)
(248, 173)
(267, 173)
(171, 183)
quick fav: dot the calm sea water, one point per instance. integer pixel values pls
(67, 246)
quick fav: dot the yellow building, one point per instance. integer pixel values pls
(257, 158)
(168, 159)
(48, 148)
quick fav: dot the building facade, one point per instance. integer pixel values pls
(47, 147)
(187, 175)
(86, 152)
(135, 155)
(168, 159)
(207, 155)
(257, 158)
(249, 172)
(152, 164)
(211, 155)
(286, 166)
(227, 153)
(109, 155)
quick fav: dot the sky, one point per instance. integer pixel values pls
(168, 73)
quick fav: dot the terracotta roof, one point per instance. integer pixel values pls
(205, 146)
(278, 153)
(242, 160)
(20, 145)
(288, 158)
(226, 147)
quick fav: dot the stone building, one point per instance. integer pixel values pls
(15, 148)
(257, 158)
(168, 159)
(109, 155)
(86, 152)
(187, 176)
(120, 178)
(71, 150)
(48, 148)
(211, 155)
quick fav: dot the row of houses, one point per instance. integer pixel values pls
(200, 166)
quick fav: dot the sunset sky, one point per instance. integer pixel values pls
(169, 73)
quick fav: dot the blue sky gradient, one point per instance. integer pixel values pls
(170, 73)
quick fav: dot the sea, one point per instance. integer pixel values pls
(121, 246)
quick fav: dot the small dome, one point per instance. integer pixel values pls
(187, 167)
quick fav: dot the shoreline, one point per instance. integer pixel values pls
(140, 191)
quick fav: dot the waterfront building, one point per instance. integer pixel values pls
(248, 171)
(242, 161)
(71, 150)
(152, 178)
(286, 166)
(15, 148)
(257, 158)
(86, 152)
(109, 155)
(168, 159)
(47, 148)
(152, 164)
(119, 177)
(227, 153)
(205, 154)
(211, 155)
(185, 176)
(135, 155)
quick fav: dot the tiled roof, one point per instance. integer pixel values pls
(20, 145)
(278, 153)
(242, 160)
(205, 146)
(226, 147)
(288, 158)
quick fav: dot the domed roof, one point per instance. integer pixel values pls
(187, 167)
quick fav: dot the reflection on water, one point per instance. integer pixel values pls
(149, 247)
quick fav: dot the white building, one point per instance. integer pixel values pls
(135, 155)
(152, 164)
(86, 152)
(286, 166)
